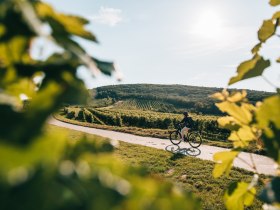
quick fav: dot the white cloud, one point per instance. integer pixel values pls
(108, 16)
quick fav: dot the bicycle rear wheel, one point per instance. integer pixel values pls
(195, 139)
(175, 137)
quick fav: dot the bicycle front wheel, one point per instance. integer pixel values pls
(195, 139)
(175, 137)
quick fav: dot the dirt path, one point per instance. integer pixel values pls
(264, 164)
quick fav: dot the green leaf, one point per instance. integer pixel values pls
(10, 101)
(23, 86)
(51, 146)
(269, 112)
(276, 15)
(237, 96)
(241, 113)
(2, 30)
(239, 195)
(268, 119)
(271, 193)
(274, 2)
(105, 67)
(73, 25)
(44, 10)
(228, 122)
(266, 31)
(7, 76)
(12, 121)
(17, 130)
(271, 140)
(221, 95)
(76, 92)
(18, 47)
(39, 105)
(224, 162)
(218, 96)
(256, 48)
(250, 68)
(14, 50)
(242, 137)
(80, 57)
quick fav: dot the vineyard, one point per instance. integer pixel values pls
(132, 117)
(143, 104)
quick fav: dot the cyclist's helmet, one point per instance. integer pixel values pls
(186, 113)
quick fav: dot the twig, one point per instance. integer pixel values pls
(254, 164)
(244, 144)
(244, 161)
(269, 82)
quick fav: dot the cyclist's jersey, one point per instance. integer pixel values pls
(187, 122)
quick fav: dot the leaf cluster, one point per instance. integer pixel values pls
(259, 123)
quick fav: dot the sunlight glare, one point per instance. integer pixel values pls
(209, 25)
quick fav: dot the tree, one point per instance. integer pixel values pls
(258, 124)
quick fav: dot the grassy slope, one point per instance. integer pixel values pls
(190, 173)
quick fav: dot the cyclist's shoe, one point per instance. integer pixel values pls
(185, 138)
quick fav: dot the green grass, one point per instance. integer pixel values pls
(192, 174)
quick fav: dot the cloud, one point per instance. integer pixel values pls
(108, 16)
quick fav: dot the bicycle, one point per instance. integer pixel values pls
(193, 137)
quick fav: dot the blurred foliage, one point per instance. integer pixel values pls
(239, 194)
(40, 171)
(258, 124)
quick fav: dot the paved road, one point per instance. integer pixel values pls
(264, 164)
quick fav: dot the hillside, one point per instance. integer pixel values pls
(164, 98)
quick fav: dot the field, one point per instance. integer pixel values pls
(189, 173)
(142, 104)
(145, 119)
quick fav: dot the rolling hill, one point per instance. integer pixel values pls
(163, 98)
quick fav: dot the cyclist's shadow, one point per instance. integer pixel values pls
(178, 151)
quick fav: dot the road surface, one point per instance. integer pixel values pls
(264, 164)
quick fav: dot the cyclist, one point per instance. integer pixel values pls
(187, 124)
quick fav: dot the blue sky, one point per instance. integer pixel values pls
(191, 42)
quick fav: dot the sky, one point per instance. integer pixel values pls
(189, 42)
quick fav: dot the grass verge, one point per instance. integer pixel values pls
(192, 174)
